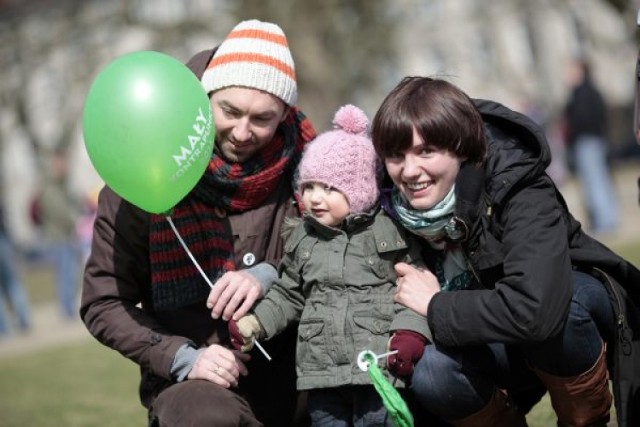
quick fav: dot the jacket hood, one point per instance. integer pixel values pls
(517, 148)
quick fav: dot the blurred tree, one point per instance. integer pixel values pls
(345, 51)
(340, 47)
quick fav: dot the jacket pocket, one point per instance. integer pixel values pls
(373, 325)
(371, 333)
(379, 267)
(312, 349)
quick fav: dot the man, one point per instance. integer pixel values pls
(13, 294)
(586, 123)
(142, 294)
(59, 212)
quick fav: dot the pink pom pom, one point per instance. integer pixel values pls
(351, 119)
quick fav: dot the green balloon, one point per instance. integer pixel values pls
(148, 129)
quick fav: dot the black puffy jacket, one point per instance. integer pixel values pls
(522, 243)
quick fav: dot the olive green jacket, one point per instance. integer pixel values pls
(339, 283)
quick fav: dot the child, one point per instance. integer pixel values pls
(337, 279)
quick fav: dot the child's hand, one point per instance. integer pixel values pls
(410, 346)
(244, 332)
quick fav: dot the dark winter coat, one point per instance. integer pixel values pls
(522, 244)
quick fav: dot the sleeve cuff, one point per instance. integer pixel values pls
(265, 274)
(183, 361)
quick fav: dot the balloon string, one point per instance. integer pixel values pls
(388, 353)
(202, 273)
(184, 245)
(262, 350)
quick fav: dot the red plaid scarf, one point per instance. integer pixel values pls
(234, 187)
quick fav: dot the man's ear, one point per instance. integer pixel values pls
(287, 108)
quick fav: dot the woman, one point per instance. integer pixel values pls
(518, 300)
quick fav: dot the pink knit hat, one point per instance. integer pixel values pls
(344, 159)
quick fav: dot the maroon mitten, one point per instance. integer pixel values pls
(237, 341)
(410, 346)
(245, 332)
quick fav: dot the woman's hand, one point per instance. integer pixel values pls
(219, 365)
(415, 287)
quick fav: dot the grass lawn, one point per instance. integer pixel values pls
(86, 385)
(80, 385)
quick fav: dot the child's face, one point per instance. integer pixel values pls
(328, 205)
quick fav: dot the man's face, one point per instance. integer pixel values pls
(245, 121)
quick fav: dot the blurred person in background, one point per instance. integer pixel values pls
(59, 212)
(144, 297)
(13, 295)
(585, 120)
(84, 223)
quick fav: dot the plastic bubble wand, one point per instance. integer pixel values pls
(396, 407)
(204, 276)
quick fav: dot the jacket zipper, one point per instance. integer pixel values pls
(472, 268)
(624, 332)
(468, 255)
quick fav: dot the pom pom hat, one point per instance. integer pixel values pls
(344, 158)
(256, 55)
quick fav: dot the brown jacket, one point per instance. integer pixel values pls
(117, 280)
(116, 288)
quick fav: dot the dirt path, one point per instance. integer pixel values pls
(625, 178)
(48, 330)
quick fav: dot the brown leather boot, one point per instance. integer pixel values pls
(583, 400)
(499, 412)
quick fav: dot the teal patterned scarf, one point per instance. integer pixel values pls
(437, 228)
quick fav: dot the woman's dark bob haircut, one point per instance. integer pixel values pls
(442, 114)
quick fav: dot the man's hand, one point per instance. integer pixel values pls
(233, 295)
(220, 365)
(244, 332)
(410, 346)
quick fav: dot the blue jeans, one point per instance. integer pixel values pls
(347, 406)
(590, 154)
(11, 290)
(454, 383)
(66, 263)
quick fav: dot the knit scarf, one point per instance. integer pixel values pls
(435, 225)
(199, 217)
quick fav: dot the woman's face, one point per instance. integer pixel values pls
(423, 173)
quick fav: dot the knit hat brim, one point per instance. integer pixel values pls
(255, 55)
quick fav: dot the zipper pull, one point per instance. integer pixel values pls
(625, 335)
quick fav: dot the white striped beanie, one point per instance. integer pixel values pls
(256, 55)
